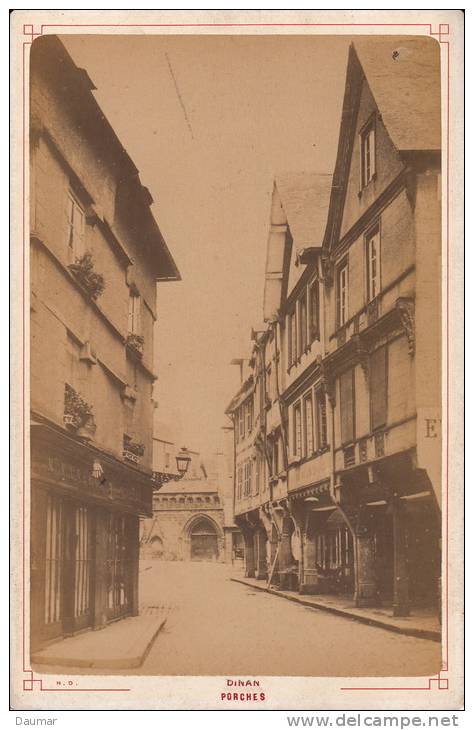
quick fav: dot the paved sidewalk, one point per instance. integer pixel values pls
(121, 645)
(422, 624)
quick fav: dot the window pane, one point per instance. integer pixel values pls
(314, 311)
(343, 295)
(308, 419)
(303, 326)
(297, 430)
(346, 384)
(321, 418)
(378, 387)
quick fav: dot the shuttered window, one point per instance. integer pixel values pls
(346, 385)
(75, 227)
(343, 293)
(297, 430)
(314, 311)
(372, 244)
(292, 339)
(303, 323)
(367, 154)
(134, 314)
(378, 388)
(308, 425)
(321, 418)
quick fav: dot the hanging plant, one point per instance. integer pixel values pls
(76, 410)
(83, 270)
(134, 447)
(135, 342)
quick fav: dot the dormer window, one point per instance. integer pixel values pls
(367, 154)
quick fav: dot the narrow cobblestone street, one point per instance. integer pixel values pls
(218, 627)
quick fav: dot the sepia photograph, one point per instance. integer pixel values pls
(237, 345)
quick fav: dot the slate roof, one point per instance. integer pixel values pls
(406, 89)
(305, 199)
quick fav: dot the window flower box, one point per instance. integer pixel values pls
(130, 456)
(136, 343)
(83, 271)
(77, 412)
(132, 450)
(71, 420)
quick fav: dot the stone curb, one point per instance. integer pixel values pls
(120, 663)
(416, 633)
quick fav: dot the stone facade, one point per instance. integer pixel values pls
(337, 423)
(191, 516)
(91, 354)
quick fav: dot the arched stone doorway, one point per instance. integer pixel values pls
(203, 540)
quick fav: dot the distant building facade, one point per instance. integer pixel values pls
(337, 425)
(193, 517)
(96, 255)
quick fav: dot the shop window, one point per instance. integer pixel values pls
(54, 561)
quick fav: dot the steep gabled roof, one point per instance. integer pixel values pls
(403, 74)
(297, 221)
(304, 197)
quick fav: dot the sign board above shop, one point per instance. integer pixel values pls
(61, 462)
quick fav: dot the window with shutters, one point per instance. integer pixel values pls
(343, 293)
(249, 415)
(367, 154)
(321, 417)
(241, 422)
(297, 441)
(372, 252)
(314, 333)
(276, 459)
(347, 406)
(257, 474)
(134, 314)
(378, 388)
(239, 482)
(308, 425)
(303, 325)
(75, 226)
(292, 339)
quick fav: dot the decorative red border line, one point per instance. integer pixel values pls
(438, 682)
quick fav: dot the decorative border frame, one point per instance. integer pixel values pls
(442, 32)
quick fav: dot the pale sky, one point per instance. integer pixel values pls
(254, 106)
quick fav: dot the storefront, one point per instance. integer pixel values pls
(85, 510)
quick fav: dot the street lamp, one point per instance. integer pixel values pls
(182, 463)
